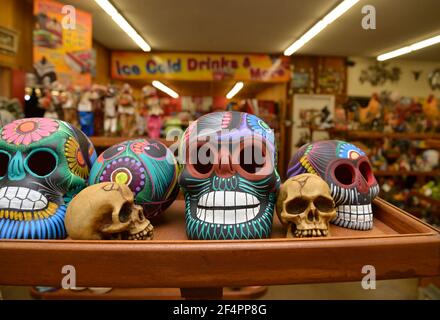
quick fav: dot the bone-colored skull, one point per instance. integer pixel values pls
(305, 206)
(107, 211)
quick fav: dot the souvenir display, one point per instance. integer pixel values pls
(229, 177)
(110, 114)
(126, 110)
(69, 106)
(85, 113)
(97, 99)
(348, 172)
(305, 206)
(148, 167)
(107, 211)
(44, 163)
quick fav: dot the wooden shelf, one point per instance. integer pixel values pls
(244, 293)
(399, 246)
(105, 142)
(430, 200)
(392, 173)
(358, 134)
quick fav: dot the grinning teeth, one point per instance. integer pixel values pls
(224, 199)
(226, 216)
(20, 198)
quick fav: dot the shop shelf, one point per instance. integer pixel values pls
(359, 134)
(393, 173)
(399, 246)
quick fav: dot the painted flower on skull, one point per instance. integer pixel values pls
(43, 164)
(26, 131)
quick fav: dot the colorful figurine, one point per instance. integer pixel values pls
(110, 112)
(348, 172)
(126, 110)
(148, 167)
(45, 163)
(229, 177)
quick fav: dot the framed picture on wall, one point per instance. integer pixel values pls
(8, 41)
(313, 114)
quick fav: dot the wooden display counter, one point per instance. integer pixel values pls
(399, 246)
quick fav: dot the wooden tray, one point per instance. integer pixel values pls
(399, 246)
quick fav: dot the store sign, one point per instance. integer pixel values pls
(62, 44)
(208, 67)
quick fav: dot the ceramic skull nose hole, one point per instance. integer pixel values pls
(297, 206)
(344, 174)
(203, 161)
(4, 161)
(366, 171)
(124, 214)
(310, 216)
(141, 215)
(41, 163)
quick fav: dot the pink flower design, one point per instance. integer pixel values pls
(26, 131)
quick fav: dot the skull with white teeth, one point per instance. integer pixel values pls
(43, 164)
(348, 172)
(106, 211)
(305, 206)
(229, 177)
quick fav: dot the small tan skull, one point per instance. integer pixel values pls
(107, 211)
(305, 206)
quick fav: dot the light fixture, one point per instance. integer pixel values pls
(338, 11)
(159, 85)
(413, 47)
(123, 24)
(237, 87)
(27, 97)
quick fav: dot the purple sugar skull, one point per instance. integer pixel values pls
(348, 172)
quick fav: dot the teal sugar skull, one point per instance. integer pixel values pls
(229, 177)
(43, 164)
(147, 166)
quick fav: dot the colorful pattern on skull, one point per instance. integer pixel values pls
(148, 167)
(229, 177)
(43, 164)
(348, 172)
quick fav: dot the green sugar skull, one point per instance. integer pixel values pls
(147, 166)
(43, 164)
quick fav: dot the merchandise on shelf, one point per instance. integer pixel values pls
(348, 172)
(106, 211)
(305, 206)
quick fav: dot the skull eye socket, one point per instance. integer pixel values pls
(41, 162)
(125, 212)
(202, 159)
(324, 204)
(4, 161)
(252, 158)
(366, 172)
(297, 206)
(344, 174)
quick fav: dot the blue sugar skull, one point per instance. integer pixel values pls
(43, 164)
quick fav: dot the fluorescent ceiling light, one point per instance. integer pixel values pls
(123, 24)
(159, 85)
(237, 87)
(410, 48)
(338, 11)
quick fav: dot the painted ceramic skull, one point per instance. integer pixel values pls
(348, 172)
(147, 166)
(43, 164)
(305, 206)
(229, 177)
(106, 211)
